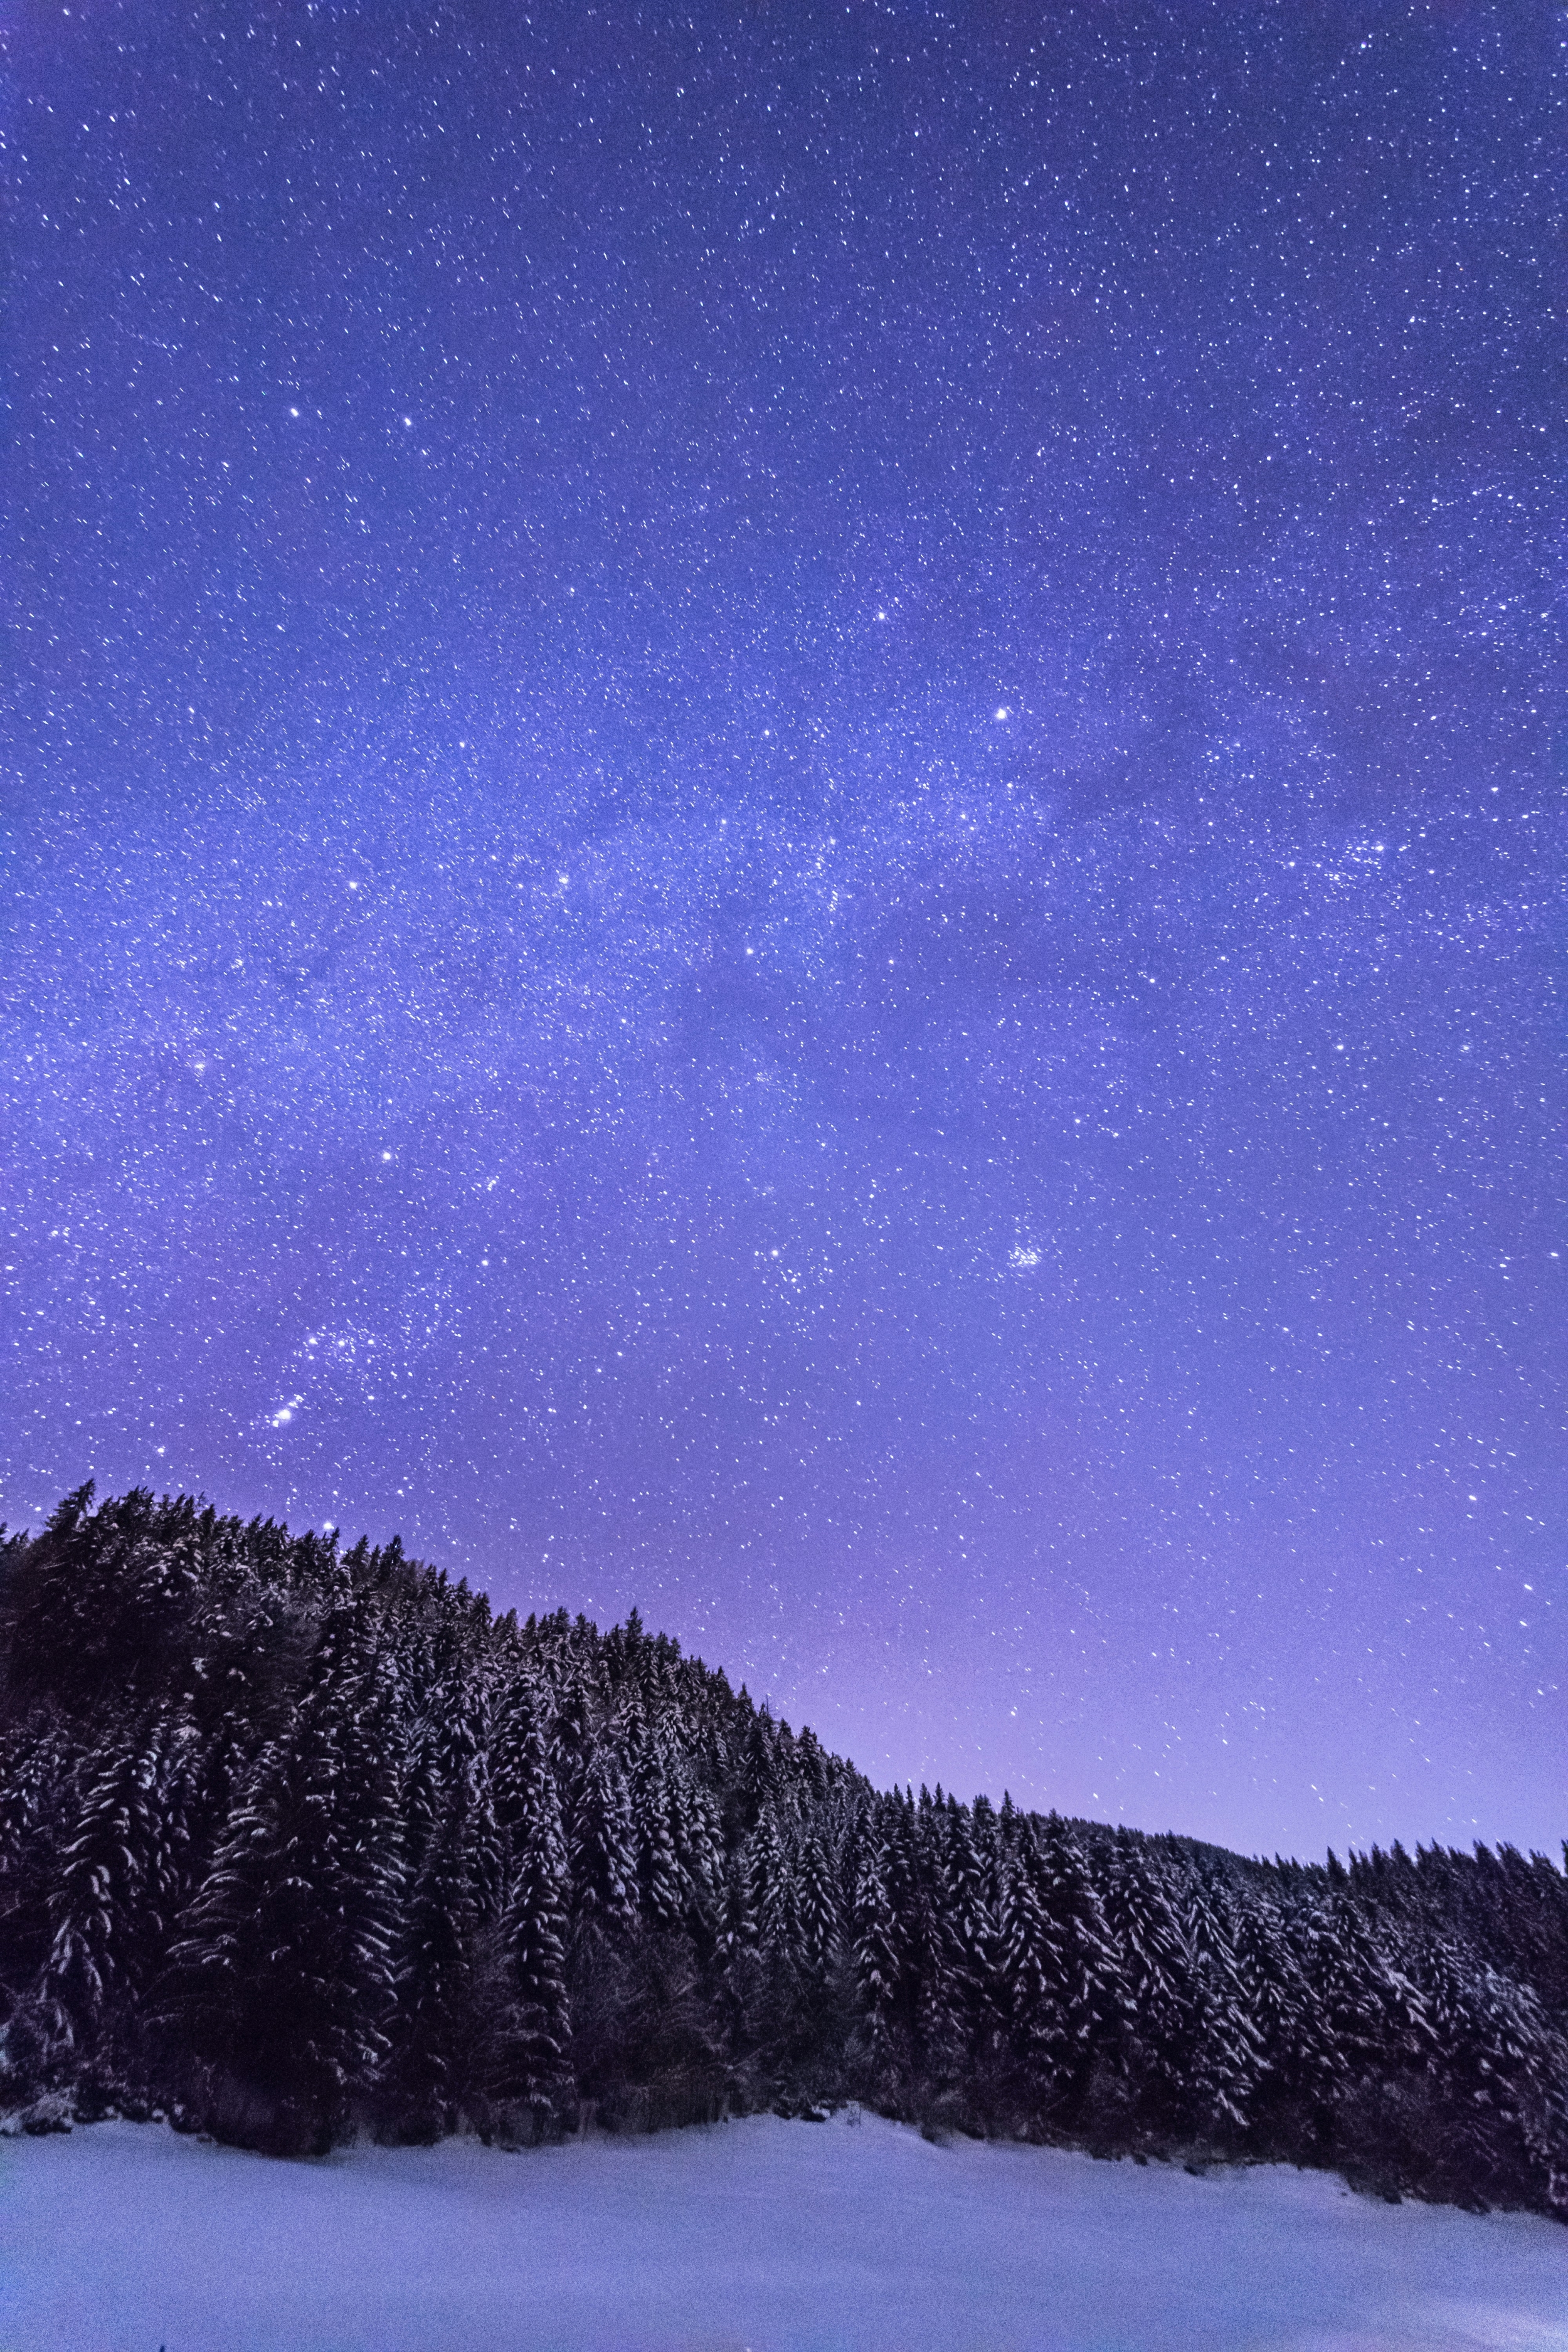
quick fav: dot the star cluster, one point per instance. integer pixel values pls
(784, 838)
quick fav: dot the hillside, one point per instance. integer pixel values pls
(298, 1843)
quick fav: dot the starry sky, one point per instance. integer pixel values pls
(784, 838)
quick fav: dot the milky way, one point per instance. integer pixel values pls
(785, 839)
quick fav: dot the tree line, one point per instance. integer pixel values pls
(298, 1840)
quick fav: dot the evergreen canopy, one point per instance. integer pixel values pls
(297, 1841)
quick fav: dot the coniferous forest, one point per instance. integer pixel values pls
(298, 1842)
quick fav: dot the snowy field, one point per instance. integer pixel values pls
(775, 2236)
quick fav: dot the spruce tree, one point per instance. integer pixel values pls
(964, 2009)
(532, 2076)
(877, 1958)
(771, 1887)
(106, 1929)
(283, 1980)
(439, 2064)
(1033, 1976)
(816, 1915)
(603, 1852)
(39, 1775)
(660, 1886)
(1278, 2005)
(1156, 2034)
(1226, 2052)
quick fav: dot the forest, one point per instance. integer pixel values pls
(299, 1842)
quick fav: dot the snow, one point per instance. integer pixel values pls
(780, 2237)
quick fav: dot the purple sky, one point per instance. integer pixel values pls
(784, 838)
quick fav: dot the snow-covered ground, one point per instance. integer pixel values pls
(775, 2236)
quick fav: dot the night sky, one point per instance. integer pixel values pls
(785, 839)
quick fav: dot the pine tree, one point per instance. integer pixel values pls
(105, 1926)
(283, 1981)
(878, 1959)
(424, 1795)
(661, 1880)
(817, 1911)
(102, 1599)
(603, 1856)
(573, 1746)
(1373, 2018)
(517, 1742)
(38, 1815)
(771, 1887)
(532, 2077)
(1226, 2054)
(697, 1836)
(1032, 1974)
(1278, 2007)
(1064, 1997)
(737, 1967)
(1156, 2039)
(964, 2008)
(737, 1926)
(439, 2061)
